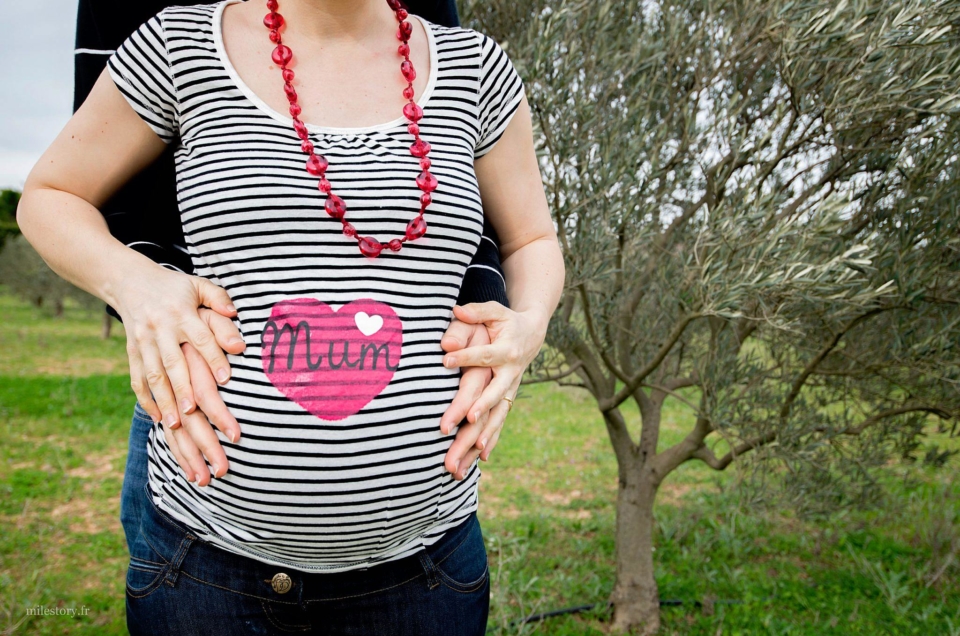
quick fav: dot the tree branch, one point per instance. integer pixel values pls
(634, 382)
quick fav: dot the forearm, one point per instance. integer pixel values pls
(72, 237)
(535, 275)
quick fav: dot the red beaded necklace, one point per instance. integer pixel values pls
(317, 164)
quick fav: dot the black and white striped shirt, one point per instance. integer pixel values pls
(341, 387)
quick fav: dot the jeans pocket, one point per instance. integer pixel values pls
(144, 577)
(465, 569)
(148, 565)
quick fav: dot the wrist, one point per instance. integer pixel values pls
(538, 318)
(127, 279)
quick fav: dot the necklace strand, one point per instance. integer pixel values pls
(317, 164)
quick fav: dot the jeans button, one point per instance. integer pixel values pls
(281, 583)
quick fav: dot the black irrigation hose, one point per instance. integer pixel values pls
(664, 602)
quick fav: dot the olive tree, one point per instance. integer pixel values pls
(757, 203)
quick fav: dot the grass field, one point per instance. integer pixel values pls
(547, 512)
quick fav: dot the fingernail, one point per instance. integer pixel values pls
(171, 420)
(198, 480)
(185, 406)
(222, 375)
(234, 437)
(216, 469)
(476, 416)
(483, 444)
(450, 363)
(231, 307)
(456, 466)
(234, 341)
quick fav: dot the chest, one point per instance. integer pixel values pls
(338, 84)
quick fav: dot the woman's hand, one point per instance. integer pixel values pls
(161, 311)
(515, 340)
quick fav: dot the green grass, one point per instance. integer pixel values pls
(547, 511)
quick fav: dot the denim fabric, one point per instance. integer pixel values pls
(177, 584)
(135, 474)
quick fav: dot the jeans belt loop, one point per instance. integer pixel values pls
(431, 570)
(173, 568)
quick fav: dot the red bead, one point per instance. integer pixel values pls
(335, 206)
(425, 163)
(412, 112)
(349, 230)
(395, 245)
(307, 147)
(406, 29)
(317, 165)
(275, 37)
(402, 14)
(407, 70)
(287, 75)
(273, 20)
(419, 149)
(301, 129)
(370, 247)
(427, 182)
(416, 228)
(290, 91)
(413, 129)
(400, 36)
(395, 4)
(282, 55)
(295, 110)
(408, 92)
(324, 186)
(425, 199)
(404, 50)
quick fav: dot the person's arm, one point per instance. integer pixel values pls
(513, 200)
(102, 146)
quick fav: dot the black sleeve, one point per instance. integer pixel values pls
(484, 280)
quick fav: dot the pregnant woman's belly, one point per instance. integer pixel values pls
(340, 461)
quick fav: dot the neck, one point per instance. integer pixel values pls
(332, 20)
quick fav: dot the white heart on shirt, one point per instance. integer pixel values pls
(367, 324)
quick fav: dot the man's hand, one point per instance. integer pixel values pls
(193, 438)
(473, 381)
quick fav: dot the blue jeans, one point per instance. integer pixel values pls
(177, 584)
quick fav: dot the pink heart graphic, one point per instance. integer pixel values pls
(332, 363)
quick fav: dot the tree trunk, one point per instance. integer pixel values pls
(635, 596)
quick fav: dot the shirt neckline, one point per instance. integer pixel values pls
(263, 106)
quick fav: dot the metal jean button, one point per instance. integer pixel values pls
(281, 583)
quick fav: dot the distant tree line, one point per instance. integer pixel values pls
(25, 274)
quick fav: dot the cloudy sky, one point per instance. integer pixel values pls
(36, 91)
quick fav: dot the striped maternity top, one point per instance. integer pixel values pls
(340, 390)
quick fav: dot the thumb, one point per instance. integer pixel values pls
(214, 297)
(476, 313)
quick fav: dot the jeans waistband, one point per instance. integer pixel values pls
(186, 555)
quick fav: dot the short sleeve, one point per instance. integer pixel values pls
(141, 70)
(500, 93)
